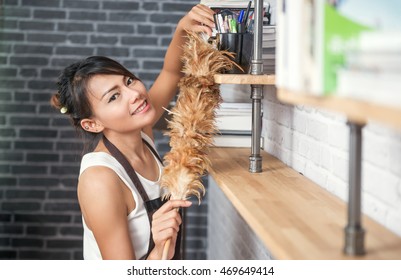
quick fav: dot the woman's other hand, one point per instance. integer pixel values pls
(165, 225)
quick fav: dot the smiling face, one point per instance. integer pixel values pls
(119, 103)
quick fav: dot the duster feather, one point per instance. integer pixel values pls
(192, 125)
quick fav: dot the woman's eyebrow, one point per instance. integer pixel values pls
(113, 88)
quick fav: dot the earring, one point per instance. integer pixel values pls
(86, 127)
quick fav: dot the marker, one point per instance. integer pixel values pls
(247, 13)
(233, 25)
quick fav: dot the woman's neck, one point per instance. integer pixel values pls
(130, 145)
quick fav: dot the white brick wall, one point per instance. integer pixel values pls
(315, 143)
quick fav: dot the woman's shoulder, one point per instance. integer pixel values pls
(98, 175)
(98, 169)
(98, 159)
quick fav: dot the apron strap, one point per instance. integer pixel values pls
(115, 152)
(150, 205)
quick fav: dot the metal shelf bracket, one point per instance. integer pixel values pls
(354, 233)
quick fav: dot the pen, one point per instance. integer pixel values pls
(240, 27)
(216, 23)
(226, 25)
(221, 23)
(268, 15)
(241, 16)
(249, 26)
(247, 13)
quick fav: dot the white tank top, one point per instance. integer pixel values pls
(138, 223)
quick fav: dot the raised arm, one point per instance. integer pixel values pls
(198, 19)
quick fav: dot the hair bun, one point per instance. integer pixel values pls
(55, 101)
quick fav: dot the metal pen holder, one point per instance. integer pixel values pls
(241, 44)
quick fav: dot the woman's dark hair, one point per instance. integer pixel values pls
(72, 96)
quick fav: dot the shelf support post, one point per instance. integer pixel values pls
(354, 233)
(255, 159)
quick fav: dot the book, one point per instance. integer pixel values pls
(234, 116)
(269, 47)
(372, 63)
(239, 141)
(233, 93)
(315, 36)
(269, 29)
(381, 87)
(381, 60)
(238, 106)
(268, 56)
(282, 35)
(340, 27)
(379, 41)
(234, 122)
(226, 3)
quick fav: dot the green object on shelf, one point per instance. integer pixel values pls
(340, 35)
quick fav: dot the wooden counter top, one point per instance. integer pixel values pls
(294, 217)
(245, 79)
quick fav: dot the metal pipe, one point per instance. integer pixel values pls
(255, 160)
(257, 63)
(354, 233)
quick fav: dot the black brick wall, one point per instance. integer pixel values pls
(39, 152)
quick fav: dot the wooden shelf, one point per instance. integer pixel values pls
(244, 79)
(356, 110)
(294, 217)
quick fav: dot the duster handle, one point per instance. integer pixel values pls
(166, 249)
(167, 244)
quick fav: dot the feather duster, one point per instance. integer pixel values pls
(192, 124)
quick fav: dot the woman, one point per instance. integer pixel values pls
(102, 97)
